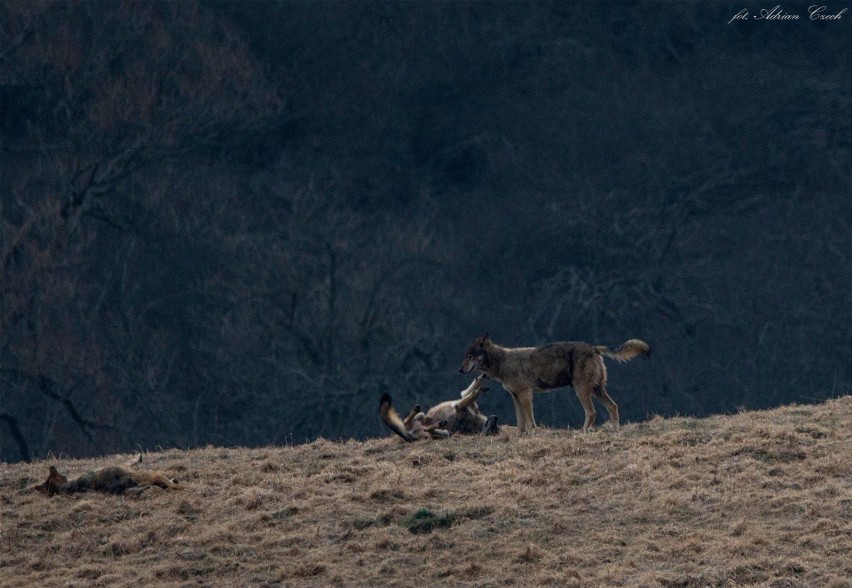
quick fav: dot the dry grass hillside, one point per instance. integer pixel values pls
(758, 498)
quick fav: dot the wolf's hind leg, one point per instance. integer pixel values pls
(410, 418)
(609, 404)
(584, 393)
(437, 430)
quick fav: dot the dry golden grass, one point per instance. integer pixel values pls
(759, 498)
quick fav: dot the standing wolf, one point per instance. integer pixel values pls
(524, 370)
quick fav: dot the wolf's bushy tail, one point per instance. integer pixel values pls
(627, 350)
(392, 419)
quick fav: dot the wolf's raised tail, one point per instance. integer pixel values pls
(626, 351)
(391, 418)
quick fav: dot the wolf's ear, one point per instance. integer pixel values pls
(484, 337)
(56, 476)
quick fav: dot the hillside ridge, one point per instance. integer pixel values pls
(757, 498)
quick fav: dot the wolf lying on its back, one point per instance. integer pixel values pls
(113, 480)
(524, 370)
(445, 419)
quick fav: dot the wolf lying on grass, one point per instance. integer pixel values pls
(451, 417)
(112, 480)
(524, 370)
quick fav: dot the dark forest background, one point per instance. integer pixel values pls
(240, 223)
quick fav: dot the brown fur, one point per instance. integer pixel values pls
(447, 418)
(113, 480)
(524, 370)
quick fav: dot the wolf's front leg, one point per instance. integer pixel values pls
(525, 400)
(519, 412)
(523, 410)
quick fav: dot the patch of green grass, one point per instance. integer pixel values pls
(425, 521)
